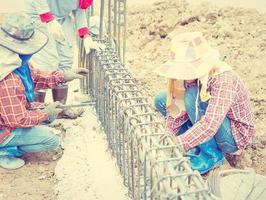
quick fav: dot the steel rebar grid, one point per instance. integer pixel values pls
(116, 26)
(152, 166)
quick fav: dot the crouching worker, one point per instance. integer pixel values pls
(206, 104)
(21, 123)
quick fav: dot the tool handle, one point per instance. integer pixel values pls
(77, 105)
(84, 104)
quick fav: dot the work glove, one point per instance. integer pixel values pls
(90, 44)
(52, 110)
(75, 74)
(56, 30)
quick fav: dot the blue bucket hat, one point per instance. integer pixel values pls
(18, 34)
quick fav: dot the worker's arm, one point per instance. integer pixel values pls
(46, 16)
(81, 18)
(81, 22)
(174, 124)
(44, 11)
(84, 4)
(13, 109)
(45, 80)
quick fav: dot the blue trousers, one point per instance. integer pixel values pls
(31, 140)
(223, 136)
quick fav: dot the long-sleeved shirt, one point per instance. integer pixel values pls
(229, 98)
(14, 108)
(47, 9)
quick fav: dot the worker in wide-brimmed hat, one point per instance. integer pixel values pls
(62, 21)
(206, 104)
(21, 128)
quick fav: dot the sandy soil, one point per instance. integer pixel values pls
(239, 34)
(87, 170)
(35, 181)
(259, 5)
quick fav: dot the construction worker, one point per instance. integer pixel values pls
(206, 104)
(54, 17)
(21, 128)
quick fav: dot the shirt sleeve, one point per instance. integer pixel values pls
(44, 11)
(13, 111)
(174, 124)
(223, 93)
(81, 22)
(84, 4)
(45, 80)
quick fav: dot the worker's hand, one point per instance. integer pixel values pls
(52, 110)
(75, 74)
(90, 44)
(176, 140)
(56, 30)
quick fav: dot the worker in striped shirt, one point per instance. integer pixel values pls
(22, 127)
(206, 104)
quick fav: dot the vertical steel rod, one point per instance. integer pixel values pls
(101, 19)
(109, 20)
(125, 32)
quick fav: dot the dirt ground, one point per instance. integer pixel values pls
(35, 181)
(238, 33)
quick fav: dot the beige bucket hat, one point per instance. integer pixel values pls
(191, 57)
(18, 34)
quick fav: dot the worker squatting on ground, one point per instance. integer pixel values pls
(54, 17)
(21, 123)
(206, 104)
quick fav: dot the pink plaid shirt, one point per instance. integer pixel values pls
(229, 98)
(14, 109)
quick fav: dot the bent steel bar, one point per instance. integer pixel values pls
(152, 166)
(116, 26)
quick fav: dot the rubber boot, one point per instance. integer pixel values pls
(199, 161)
(11, 163)
(208, 157)
(210, 148)
(40, 96)
(60, 93)
(11, 151)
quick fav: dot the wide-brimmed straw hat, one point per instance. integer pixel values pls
(191, 57)
(18, 34)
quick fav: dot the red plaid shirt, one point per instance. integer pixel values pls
(229, 98)
(14, 109)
